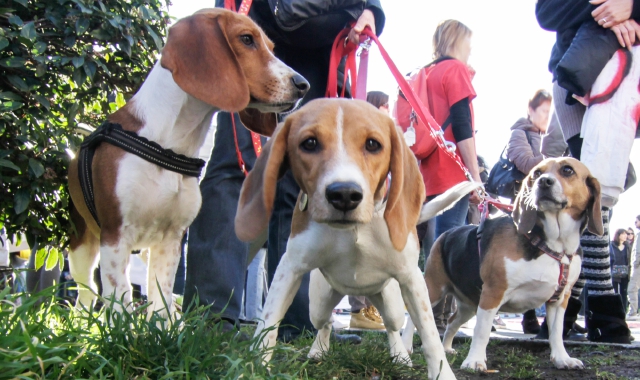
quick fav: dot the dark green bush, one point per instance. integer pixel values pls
(62, 62)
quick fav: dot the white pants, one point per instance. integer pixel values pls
(610, 122)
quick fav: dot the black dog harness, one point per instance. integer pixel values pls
(114, 134)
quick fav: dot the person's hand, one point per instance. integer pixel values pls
(611, 12)
(627, 32)
(474, 198)
(365, 19)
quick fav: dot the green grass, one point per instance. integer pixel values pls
(42, 339)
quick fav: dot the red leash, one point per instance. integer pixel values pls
(255, 137)
(341, 48)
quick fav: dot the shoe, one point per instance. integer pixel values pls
(229, 326)
(363, 320)
(605, 319)
(570, 318)
(351, 339)
(372, 313)
(633, 317)
(530, 324)
(497, 321)
(580, 329)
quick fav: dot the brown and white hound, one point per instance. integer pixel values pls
(213, 60)
(353, 234)
(519, 263)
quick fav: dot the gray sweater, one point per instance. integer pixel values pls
(523, 155)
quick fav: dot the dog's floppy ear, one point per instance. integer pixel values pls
(199, 57)
(524, 213)
(406, 194)
(594, 211)
(259, 188)
(258, 122)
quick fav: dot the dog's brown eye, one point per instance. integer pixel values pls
(373, 146)
(310, 144)
(536, 174)
(567, 171)
(247, 39)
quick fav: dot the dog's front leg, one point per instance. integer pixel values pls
(391, 307)
(286, 282)
(490, 302)
(416, 298)
(555, 320)
(322, 299)
(163, 263)
(114, 272)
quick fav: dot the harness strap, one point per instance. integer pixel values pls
(128, 141)
(537, 242)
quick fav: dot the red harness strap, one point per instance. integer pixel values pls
(536, 241)
(255, 137)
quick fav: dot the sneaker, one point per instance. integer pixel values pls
(360, 320)
(633, 317)
(497, 321)
(372, 313)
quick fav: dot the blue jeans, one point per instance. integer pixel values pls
(216, 259)
(453, 217)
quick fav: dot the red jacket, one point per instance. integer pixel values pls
(438, 86)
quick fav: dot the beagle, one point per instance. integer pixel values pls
(213, 60)
(518, 263)
(353, 235)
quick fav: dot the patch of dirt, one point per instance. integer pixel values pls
(531, 360)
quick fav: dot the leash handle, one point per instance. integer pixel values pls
(255, 137)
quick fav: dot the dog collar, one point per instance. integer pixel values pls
(539, 243)
(114, 134)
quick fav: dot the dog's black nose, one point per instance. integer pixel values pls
(344, 196)
(301, 84)
(546, 181)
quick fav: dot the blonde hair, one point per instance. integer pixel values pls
(447, 35)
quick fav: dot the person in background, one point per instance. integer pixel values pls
(363, 314)
(444, 86)
(630, 238)
(523, 150)
(619, 251)
(634, 281)
(603, 309)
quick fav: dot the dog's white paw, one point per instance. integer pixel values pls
(403, 359)
(315, 354)
(567, 363)
(474, 364)
(450, 351)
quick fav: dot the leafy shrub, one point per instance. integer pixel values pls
(62, 62)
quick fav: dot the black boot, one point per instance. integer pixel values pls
(605, 319)
(544, 330)
(530, 323)
(570, 317)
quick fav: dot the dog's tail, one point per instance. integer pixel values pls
(446, 200)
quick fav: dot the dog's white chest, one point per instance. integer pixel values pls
(531, 283)
(358, 260)
(162, 201)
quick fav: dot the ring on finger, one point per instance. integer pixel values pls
(604, 20)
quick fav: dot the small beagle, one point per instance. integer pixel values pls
(355, 236)
(213, 60)
(518, 263)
